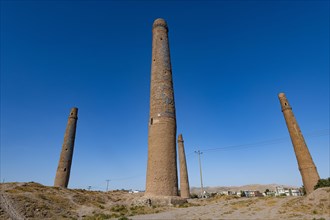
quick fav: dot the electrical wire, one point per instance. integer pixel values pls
(324, 132)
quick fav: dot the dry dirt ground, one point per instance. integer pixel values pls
(314, 206)
(35, 201)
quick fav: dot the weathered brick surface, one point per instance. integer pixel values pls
(162, 179)
(306, 165)
(64, 164)
(184, 181)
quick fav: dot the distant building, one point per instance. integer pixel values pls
(270, 193)
(258, 194)
(252, 193)
(249, 193)
(233, 193)
(229, 193)
(280, 191)
(223, 193)
(295, 192)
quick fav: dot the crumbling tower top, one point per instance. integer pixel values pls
(160, 22)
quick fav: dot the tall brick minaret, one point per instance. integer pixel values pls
(306, 165)
(184, 181)
(162, 178)
(64, 164)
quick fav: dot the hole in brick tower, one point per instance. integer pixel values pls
(64, 170)
(151, 121)
(285, 103)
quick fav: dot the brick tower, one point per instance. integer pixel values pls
(162, 179)
(64, 164)
(306, 165)
(184, 181)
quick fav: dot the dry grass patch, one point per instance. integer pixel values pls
(186, 205)
(124, 211)
(221, 198)
(243, 203)
(295, 215)
(271, 203)
(257, 209)
(228, 212)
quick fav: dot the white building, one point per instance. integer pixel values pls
(280, 191)
(295, 192)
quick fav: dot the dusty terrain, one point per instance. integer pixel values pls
(35, 201)
(314, 206)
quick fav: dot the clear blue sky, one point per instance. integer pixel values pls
(230, 59)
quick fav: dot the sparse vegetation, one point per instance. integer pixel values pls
(322, 183)
(100, 217)
(228, 212)
(34, 201)
(186, 205)
(243, 203)
(119, 208)
(271, 202)
(193, 196)
(303, 190)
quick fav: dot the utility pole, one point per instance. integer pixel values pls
(107, 185)
(200, 170)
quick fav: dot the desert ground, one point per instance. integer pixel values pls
(35, 201)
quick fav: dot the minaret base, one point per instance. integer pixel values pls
(160, 201)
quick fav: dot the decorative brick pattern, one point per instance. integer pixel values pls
(306, 165)
(162, 179)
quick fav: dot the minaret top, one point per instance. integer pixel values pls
(160, 22)
(180, 139)
(74, 112)
(280, 95)
(284, 102)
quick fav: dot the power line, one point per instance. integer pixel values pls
(319, 133)
(127, 178)
(200, 171)
(107, 185)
